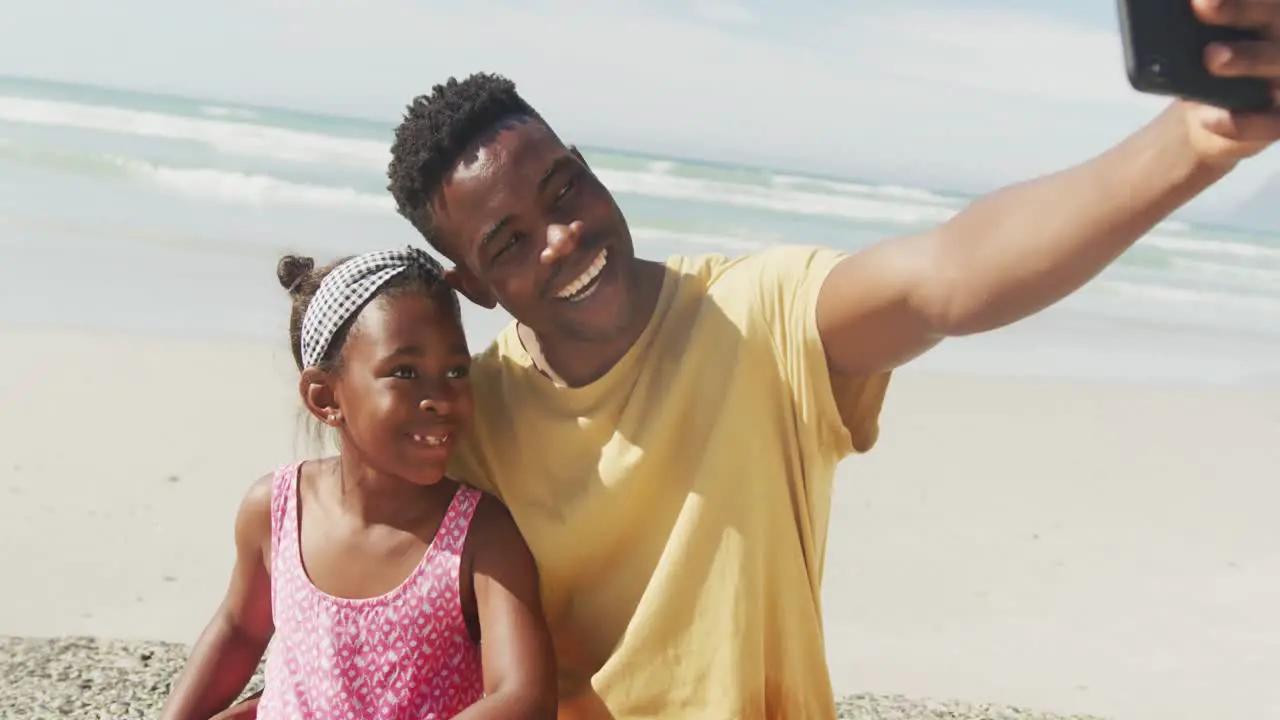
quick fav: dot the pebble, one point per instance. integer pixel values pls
(94, 679)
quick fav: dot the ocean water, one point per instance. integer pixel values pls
(160, 214)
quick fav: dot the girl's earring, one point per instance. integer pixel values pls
(333, 418)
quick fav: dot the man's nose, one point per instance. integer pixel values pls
(562, 241)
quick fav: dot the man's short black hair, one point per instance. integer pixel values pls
(436, 130)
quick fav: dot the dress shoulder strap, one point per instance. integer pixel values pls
(284, 491)
(452, 535)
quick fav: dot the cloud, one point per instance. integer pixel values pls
(1019, 56)
(959, 95)
(728, 12)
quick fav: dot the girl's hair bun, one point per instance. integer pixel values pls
(292, 270)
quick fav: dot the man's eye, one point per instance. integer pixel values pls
(510, 243)
(404, 373)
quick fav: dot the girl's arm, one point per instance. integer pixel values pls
(231, 646)
(519, 665)
(246, 709)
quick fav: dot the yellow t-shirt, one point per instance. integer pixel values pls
(678, 506)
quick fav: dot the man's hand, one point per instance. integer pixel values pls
(1221, 137)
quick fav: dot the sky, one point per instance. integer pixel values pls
(953, 94)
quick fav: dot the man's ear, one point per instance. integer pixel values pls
(461, 279)
(316, 388)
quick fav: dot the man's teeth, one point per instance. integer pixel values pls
(431, 439)
(586, 277)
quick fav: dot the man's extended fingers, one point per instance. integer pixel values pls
(1247, 58)
(1256, 14)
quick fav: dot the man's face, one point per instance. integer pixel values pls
(532, 228)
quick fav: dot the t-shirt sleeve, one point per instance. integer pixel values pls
(843, 412)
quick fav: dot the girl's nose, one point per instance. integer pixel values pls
(437, 403)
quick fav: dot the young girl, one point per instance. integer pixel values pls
(375, 576)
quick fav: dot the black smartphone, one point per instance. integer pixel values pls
(1164, 44)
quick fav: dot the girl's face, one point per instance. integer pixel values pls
(403, 388)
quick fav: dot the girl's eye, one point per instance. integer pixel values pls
(404, 373)
(459, 372)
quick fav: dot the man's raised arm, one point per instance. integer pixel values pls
(1023, 248)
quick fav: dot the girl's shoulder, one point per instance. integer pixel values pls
(493, 532)
(253, 519)
(266, 496)
(487, 510)
(490, 510)
(301, 476)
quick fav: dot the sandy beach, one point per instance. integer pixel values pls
(1072, 546)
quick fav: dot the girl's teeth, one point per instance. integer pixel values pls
(431, 439)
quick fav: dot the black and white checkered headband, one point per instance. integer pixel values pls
(346, 288)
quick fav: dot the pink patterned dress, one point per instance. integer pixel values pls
(405, 655)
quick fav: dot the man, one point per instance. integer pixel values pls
(666, 434)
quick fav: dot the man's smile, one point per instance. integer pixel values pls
(584, 285)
